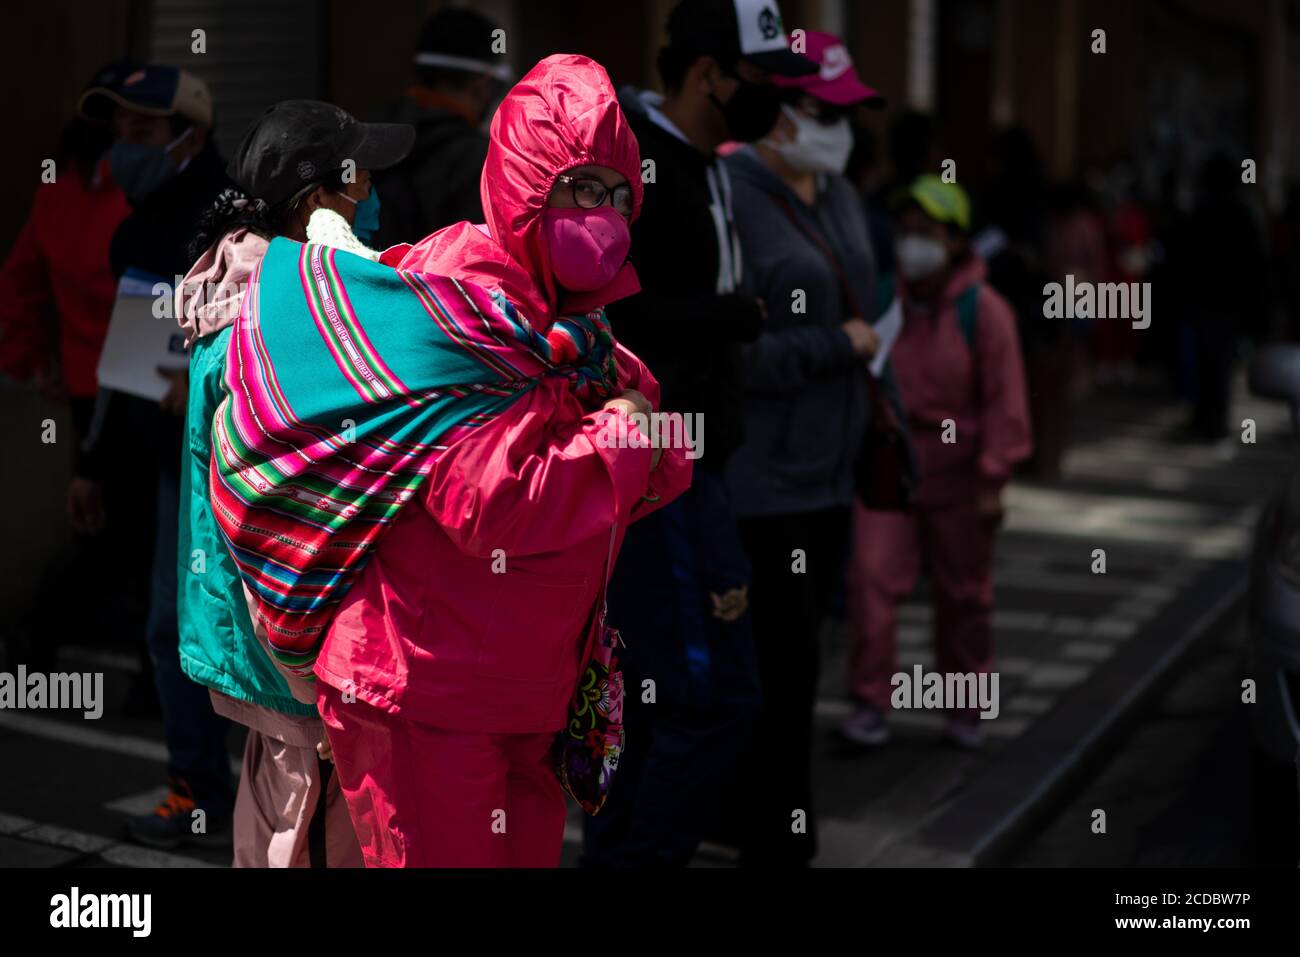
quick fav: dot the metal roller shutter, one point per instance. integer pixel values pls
(258, 52)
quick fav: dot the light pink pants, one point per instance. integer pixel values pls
(888, 551)
(425, 797)
(280, 795)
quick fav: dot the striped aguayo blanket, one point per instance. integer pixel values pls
(346, 379)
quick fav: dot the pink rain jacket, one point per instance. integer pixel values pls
(475, 611)
(982, 390)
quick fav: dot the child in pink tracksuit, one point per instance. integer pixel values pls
(958, 365)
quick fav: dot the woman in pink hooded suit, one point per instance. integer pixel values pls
(449, 666)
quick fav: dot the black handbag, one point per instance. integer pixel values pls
(882, 471)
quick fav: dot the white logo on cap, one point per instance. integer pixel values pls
(761, 30)
(835, 61)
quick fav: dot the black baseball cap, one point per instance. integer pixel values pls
(298, 142)
(731, 30)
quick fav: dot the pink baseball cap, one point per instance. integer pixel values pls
(835, 80)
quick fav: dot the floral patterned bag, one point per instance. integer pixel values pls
(587, 750)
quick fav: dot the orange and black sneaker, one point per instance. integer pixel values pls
(178, 820)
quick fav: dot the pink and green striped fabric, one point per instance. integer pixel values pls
(346, 379)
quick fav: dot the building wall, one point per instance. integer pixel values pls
(1109, 104)
(369, 57)
(253, 54)
(1030, 66)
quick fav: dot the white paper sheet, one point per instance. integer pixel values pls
(138, 342)
(888, 326)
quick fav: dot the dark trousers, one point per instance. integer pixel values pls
(798, 564)
(1216, 342)
(111, 570)
(682, 748)
(195, 735)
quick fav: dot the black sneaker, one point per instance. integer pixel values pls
(172, 823)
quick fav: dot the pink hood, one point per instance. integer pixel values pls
(562, 114)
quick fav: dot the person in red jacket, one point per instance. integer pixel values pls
(59, 265)
(959, 369)
(451, 662)
(56, 297)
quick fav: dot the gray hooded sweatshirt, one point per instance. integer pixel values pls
(806, 402)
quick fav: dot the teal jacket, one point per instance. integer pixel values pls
(218, 648)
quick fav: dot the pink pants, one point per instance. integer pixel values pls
(423, 797)
(888, 549)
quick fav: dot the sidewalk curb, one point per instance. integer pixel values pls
(1030, 777)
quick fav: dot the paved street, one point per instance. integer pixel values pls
(1174, 520)
(1186, 789)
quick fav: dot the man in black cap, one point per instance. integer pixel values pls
(679, 589)
(459, 77)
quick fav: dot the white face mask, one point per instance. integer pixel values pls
(816, 148)
(919, 257)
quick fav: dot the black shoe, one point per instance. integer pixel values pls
(174, 822)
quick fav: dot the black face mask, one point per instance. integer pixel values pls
(752, 110)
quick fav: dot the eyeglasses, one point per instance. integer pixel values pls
(588, 193)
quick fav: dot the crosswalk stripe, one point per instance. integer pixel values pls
(141, 803)
(110, 850)
(85, 737)
(100, 660)
(117, 742)
(129, 855)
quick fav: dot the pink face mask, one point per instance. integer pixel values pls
(588, 246)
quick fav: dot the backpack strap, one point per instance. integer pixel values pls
(967, 312)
